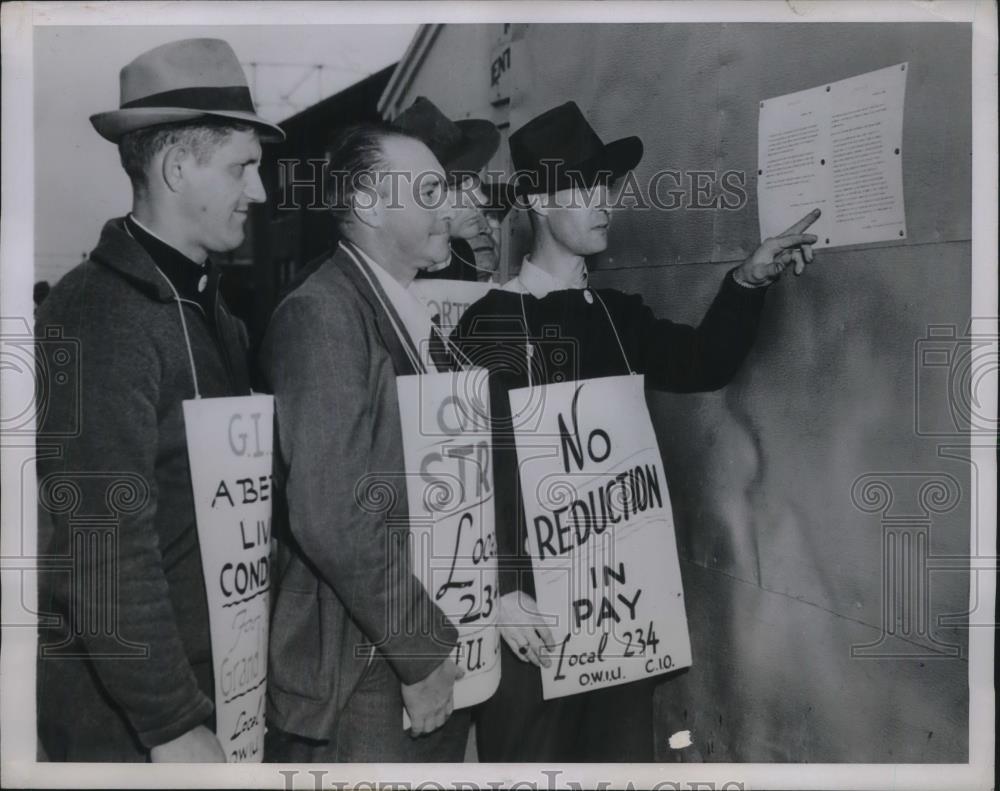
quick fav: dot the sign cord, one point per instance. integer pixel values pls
(180, 310)
(614, 329)
(415, 360)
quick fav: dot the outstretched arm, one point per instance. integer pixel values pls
(681, 358)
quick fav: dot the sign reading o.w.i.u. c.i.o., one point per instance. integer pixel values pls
(600, 533)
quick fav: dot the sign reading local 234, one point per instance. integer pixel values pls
(445, 419)
(600, 533)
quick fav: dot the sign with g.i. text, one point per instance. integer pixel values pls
(447, 445)
(600, 533)
(229, 444)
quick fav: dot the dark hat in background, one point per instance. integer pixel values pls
(460, 146)
(559, 149)
(500, 197)
(183, 81)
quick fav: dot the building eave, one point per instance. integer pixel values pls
(406, 70)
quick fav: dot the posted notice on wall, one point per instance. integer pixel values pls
(449, 298)
(447, 444)
(836, 147)
(230, 447)
(600, 534)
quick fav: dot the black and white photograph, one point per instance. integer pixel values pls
(499, 395)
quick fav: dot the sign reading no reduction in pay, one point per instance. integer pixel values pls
(600, 533)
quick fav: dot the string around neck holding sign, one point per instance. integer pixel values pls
(184, 327)
(418, 365)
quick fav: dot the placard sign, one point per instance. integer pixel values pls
(600, 533)
(229, 444)
(449, 298)
(449, 485)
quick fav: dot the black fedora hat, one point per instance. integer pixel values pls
(460, 146)
(559, 149)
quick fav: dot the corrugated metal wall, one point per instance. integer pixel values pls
(814, 519)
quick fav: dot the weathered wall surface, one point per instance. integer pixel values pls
(806, 500)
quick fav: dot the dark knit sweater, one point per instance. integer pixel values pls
(573, 339)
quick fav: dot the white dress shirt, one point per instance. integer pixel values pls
(414, 312)
(539, 282)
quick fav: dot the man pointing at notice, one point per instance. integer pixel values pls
(610, 333)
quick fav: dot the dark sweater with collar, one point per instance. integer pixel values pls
(572, 338)
(195, 283)
(125, 662)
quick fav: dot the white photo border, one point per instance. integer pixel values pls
(17, 664)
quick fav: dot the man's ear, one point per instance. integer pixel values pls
(172, 166)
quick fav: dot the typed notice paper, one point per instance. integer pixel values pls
(836, 147)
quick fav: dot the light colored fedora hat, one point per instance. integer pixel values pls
(183, 81)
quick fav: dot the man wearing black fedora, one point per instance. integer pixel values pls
(125, 664)
(563, 173)
(463, 148)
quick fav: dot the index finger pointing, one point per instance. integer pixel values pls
(795, 240)
(802, 224)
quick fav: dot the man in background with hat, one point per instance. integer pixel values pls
(464, 148)
(125, 664)
(564, 171)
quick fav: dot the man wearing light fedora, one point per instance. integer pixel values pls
(125, 665)
(563, 173)
(464, 148)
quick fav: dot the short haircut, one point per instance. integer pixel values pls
(355, 162)
(137, 149)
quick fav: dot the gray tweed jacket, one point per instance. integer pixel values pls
(343, 578)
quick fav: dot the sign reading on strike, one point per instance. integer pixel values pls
(449, 486)
(600, 533)
(229, 444)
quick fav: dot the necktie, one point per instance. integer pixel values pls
(438, 348)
